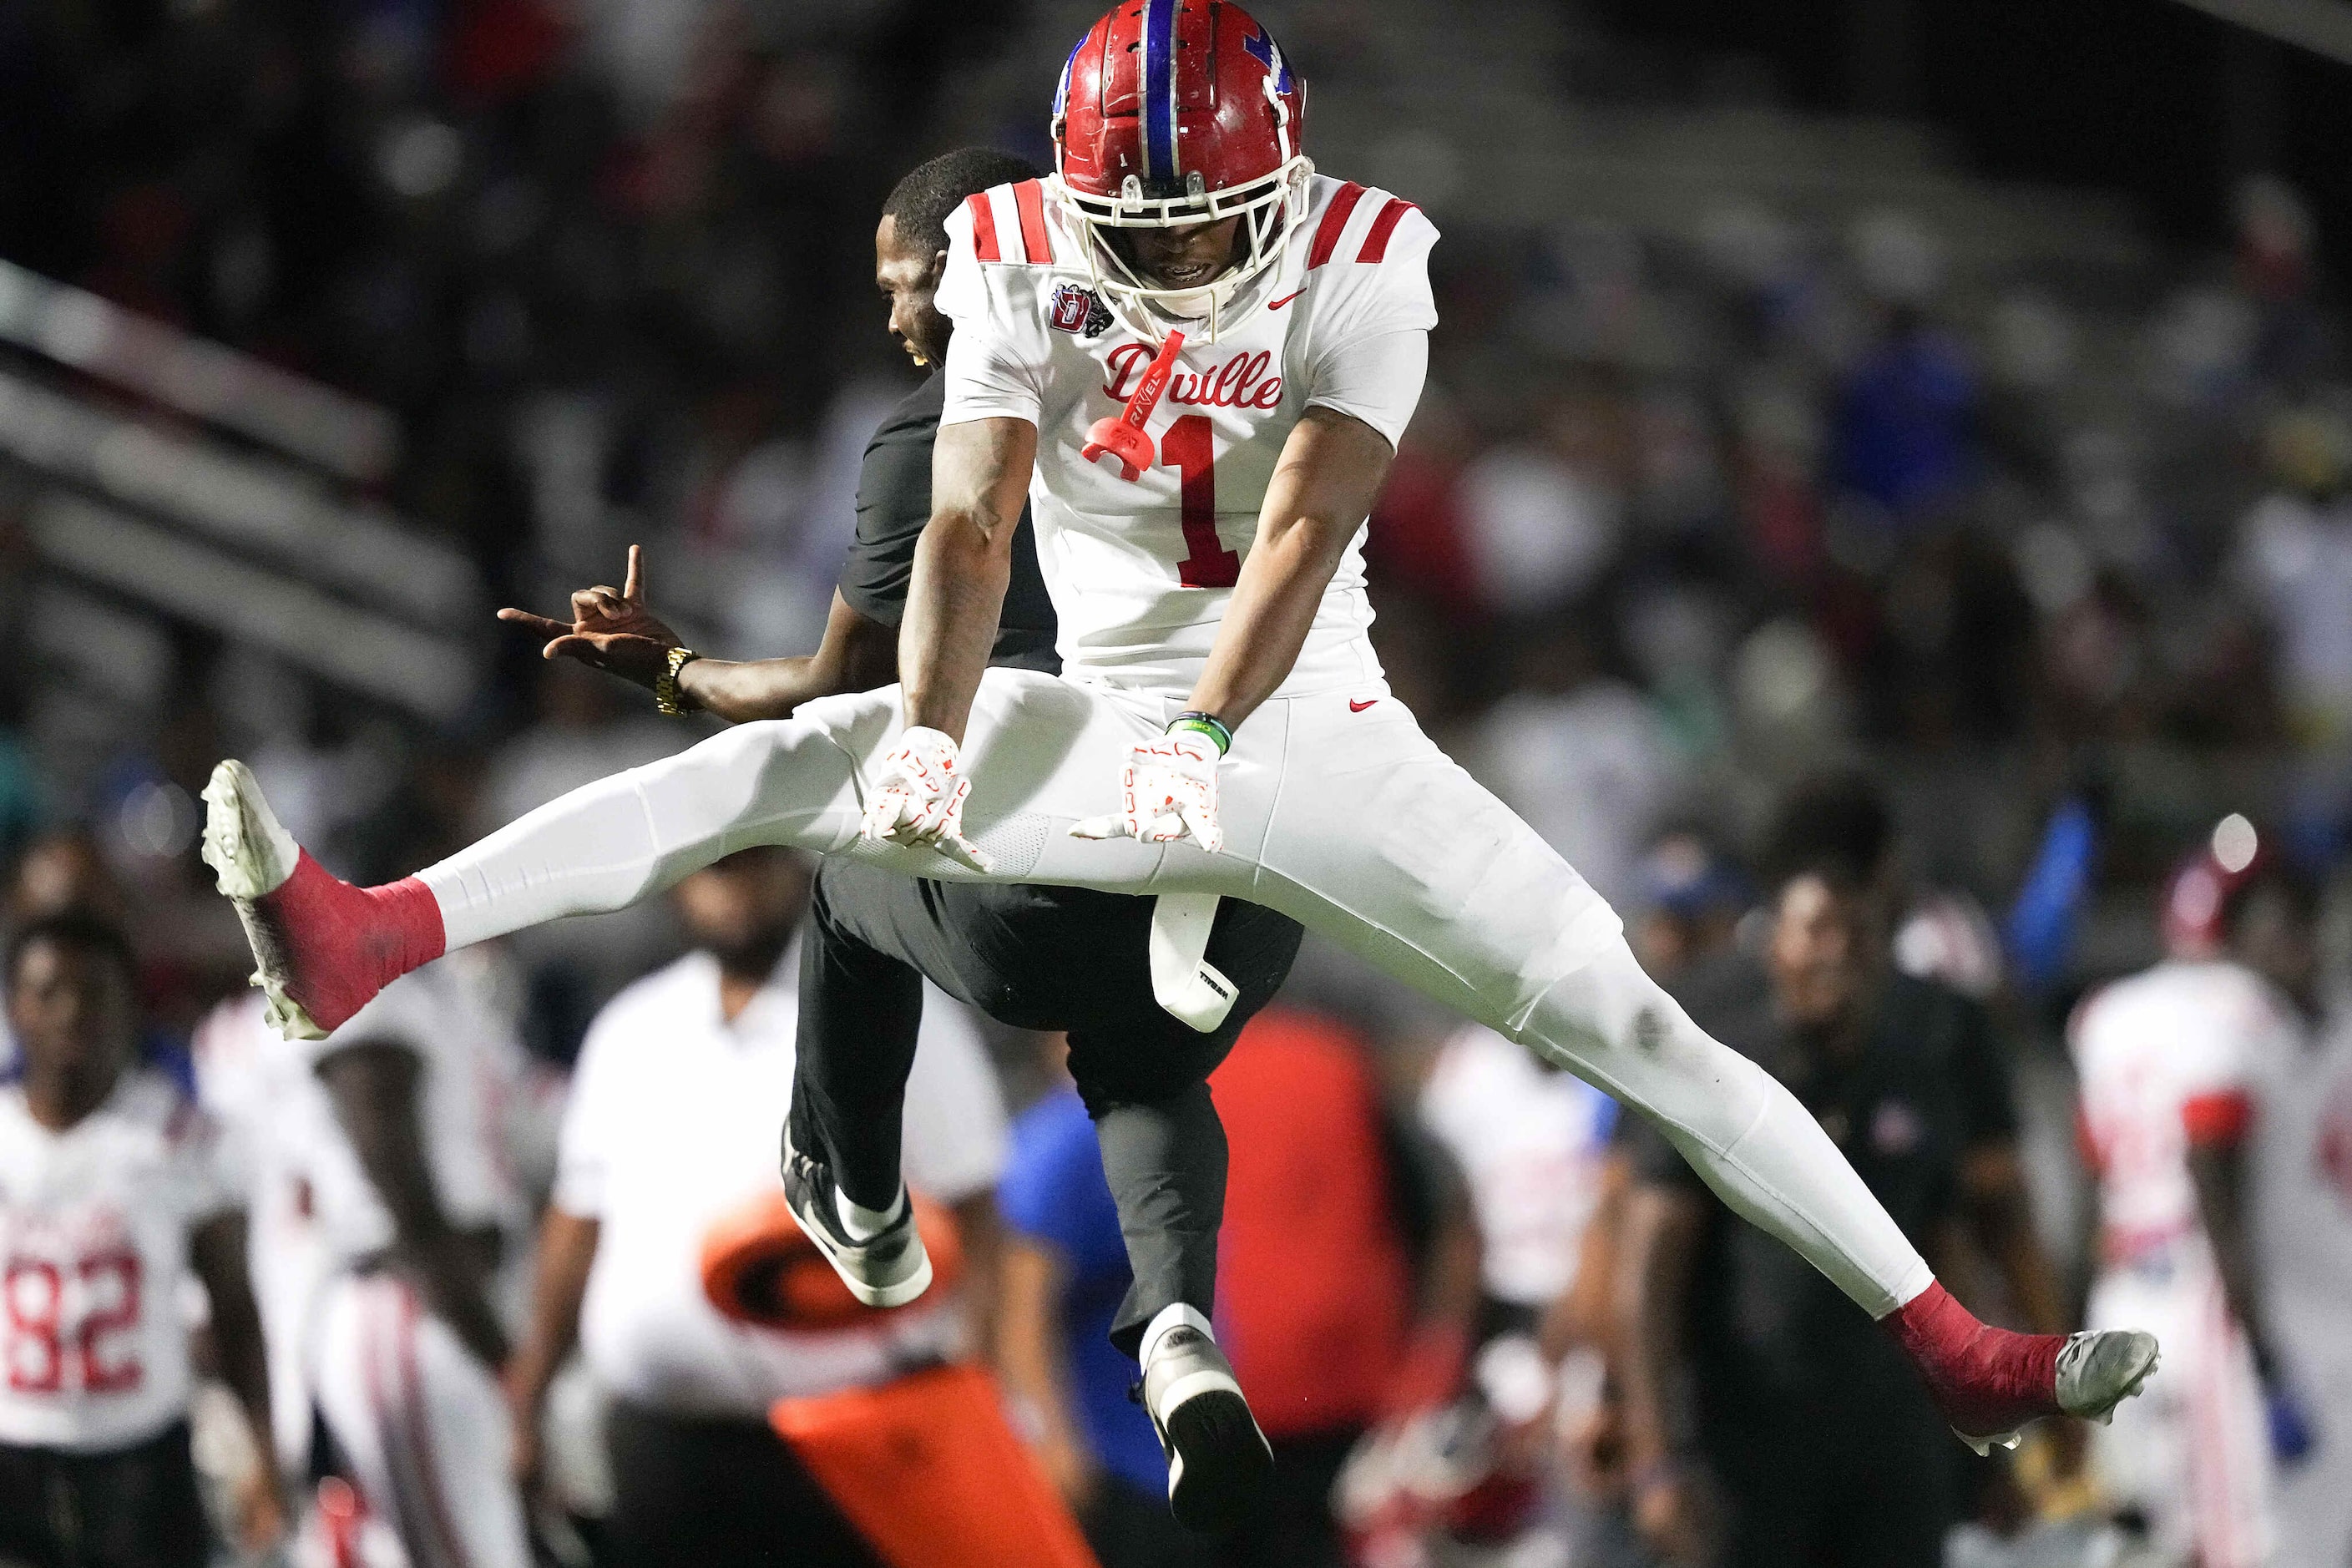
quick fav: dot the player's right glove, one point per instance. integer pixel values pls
(1168, 790)
(918, 795)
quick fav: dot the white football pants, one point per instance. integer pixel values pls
(422, 1422)
(2193, 1453)
(1338, 811)
(2314, 1505)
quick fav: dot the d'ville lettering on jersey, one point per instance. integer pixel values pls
(1240, 382)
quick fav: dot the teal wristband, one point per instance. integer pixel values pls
(1208, 724)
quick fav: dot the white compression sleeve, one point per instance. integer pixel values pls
(1740, 1129)
(608, 844)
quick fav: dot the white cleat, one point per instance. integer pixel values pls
(2099, 1370)
(251, 856)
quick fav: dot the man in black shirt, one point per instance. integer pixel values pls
(1742, 1375)
(1033, 957)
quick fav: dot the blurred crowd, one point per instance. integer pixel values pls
(1692, 533)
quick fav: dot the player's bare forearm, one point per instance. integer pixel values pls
(218, 1252)
(983, 1235)
(859, 654)
(376, 1085)
(567, 1251)
(1322, 490)
(2001, 1215)
(980, 480)
(2219, 1174)
(1033, 1359)
(1582, 1316)
(1657, 1251)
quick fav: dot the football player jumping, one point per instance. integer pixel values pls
(1202, 454)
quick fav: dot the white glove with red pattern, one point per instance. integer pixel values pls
(1167, 791)
(918, 797)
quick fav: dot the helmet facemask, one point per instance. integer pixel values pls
(1271, 210)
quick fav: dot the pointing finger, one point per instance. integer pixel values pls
(1204, 829)
(633, 588)
(539, 625)
(967, 851)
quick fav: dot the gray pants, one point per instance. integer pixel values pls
(1035, 958)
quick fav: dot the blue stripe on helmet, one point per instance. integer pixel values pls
(1062, 87)
(1159, 90)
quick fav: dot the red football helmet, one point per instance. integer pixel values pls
(2203, 886)
(1173, 112)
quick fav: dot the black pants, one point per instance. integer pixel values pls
(1035, 958)
(1848, 1487)
(133, 1508)
(695, 1493)
(1132, 1528)
(1297, 1528)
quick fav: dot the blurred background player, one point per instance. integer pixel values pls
(671, 1128)
(422, 1211)
(115, 1193)
(2172, 1064)
(1756, 1411)
(2302, 1213)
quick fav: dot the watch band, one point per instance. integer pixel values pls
(666, 696)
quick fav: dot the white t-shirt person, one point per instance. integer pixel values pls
(675, 1119)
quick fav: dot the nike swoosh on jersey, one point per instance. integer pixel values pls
(1356, 707)
(1287, 299)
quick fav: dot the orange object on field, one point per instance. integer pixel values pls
(758, 1267)
(930, 1473)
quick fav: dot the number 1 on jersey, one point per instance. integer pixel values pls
(1190, 448)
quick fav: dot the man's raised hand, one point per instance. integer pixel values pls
(610, 629)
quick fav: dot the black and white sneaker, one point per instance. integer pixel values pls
(885, 1270)
(1220, 1468)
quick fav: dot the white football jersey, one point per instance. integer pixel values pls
(2180, 1042)
(1533, 1144)
(94, 1227)
(1140, 569)
(474, 1084)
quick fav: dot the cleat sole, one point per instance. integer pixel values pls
(251, 857)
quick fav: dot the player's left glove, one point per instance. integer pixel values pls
(918, 797)
(1168, 790)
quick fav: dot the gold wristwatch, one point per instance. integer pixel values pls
(666, 692)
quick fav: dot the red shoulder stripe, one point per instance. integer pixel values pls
(2218, 1118)
(1028, 197)
(983, 228)
(1335, 218)
(1376, 244)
